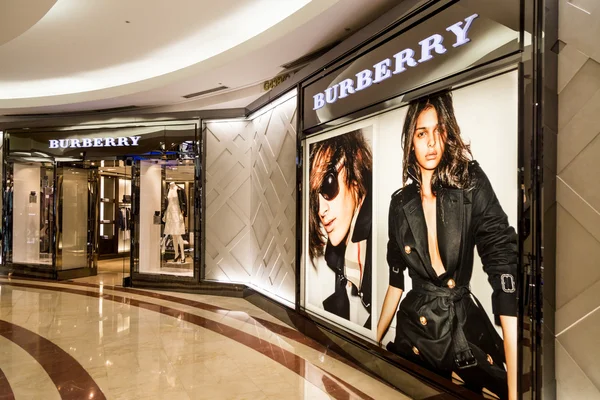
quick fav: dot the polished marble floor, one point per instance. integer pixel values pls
(88, 339)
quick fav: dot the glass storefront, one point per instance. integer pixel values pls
(87, 202)
(165, 216)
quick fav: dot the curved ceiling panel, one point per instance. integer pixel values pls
(91, 50)
(16, 17)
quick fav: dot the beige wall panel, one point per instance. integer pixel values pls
(250, 201)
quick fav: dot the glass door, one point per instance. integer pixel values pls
(114, 220)
(28, 218)
(124, 220)
(75, 244)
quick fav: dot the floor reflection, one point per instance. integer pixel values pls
(140, 344)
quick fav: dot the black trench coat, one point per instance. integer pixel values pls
(440, 325)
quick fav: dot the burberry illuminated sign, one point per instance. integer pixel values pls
(94, 142)
(384, 69)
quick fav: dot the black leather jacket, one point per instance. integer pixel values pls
(338, 302)
(439, 325)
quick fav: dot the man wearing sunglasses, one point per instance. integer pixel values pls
(340, 227)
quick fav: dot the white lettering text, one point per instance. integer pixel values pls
(319, 100)
(433, 42)
(461, 33)
(405, 57)
(95, 142)
(382, 71)
(346, 87)
(363, 79)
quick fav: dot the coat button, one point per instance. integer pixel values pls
(451, 284)
(423, 320)
(407, 249)
(415, 350)
(490, 359)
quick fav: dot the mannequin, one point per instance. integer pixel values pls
(175, 210)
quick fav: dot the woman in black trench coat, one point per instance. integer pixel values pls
(447, 207)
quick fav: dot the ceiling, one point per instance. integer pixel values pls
(71, 55)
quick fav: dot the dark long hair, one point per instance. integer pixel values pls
(351, 149)
(453, 168)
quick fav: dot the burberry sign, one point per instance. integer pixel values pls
(427, 49)
(94, 142)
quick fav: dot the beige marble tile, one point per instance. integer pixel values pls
(582, 343)
(590, 6)
(25, 375)
(577, 255)
(179, 353)
(254, 360)
(87, 352)
(570, 60)
(102, 382)
(580, 174)
(143, 382)
(243, 388)
(138, 353)
(577, 27)
(579, 307)
(571, 381)
(578, 92)
(578, 132)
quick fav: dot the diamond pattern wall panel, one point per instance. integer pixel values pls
(274, 185)
(251, 201)
(228, 183)
(577, 323)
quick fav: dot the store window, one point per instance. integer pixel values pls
(165, 237)
(29, 198)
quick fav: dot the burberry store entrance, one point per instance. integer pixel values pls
(118, 201)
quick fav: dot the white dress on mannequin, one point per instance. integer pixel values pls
(174, 223)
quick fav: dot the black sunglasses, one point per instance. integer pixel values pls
(330, 186)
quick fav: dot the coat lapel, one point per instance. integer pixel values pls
(413, 211)
(449, 227)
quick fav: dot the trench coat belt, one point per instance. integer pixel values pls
(463, 355)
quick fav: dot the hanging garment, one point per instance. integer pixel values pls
(181, 197)
(121, 219)
(174, 222)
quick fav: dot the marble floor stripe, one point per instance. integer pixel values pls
(332, 351)
(250, 319)
(328, 383)
(6, 392)
(25, 375)
(70, 378)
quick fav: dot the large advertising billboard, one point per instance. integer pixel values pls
(409, 236)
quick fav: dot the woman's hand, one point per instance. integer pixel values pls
(509, 331)
(390, 305)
